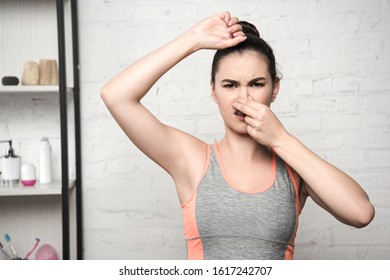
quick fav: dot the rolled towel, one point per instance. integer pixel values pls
(48, 72)
(30, 74)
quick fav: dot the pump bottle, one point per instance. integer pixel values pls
(10, 166)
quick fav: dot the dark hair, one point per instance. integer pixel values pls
(253, 43)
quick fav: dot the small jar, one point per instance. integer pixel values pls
(29, 176)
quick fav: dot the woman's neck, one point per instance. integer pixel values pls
(243, 147)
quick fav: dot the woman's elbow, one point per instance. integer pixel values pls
(109, 98)
(105, 95)
(364, 216)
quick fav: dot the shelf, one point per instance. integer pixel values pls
(31, 89)
(53, 188)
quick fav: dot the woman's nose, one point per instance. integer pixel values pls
(244, 92)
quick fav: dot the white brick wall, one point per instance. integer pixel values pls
(335, 97)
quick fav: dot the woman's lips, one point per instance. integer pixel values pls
(240, 115)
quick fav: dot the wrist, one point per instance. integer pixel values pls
(190, 41)
(282, 141)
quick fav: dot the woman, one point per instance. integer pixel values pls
(241, 196)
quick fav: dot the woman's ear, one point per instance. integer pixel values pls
(275, 90)
(213, 92)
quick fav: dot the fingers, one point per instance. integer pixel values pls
(247, 110)
(233, 21)
(234, 30)
(254, 126)
(240, 34)
(253, 123)
(248, 107)
(225, 16)
(250, 103)
(262, 124)
(238, 37)
(230, 21)
(251, 131)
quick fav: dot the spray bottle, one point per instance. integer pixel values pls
(45, 161)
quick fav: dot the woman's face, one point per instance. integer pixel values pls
(242, 75)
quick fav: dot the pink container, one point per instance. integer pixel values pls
(28, 174)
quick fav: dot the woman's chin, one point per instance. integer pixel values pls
(239, 129)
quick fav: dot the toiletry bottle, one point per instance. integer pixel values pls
(45, 161)
(10, 166)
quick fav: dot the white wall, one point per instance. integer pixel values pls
(335, 97)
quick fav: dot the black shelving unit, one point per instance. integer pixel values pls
(64, 129)
(64, 13)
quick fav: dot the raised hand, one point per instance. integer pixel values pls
(263, 125)
(218, 32)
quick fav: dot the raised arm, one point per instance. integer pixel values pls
(122, 95)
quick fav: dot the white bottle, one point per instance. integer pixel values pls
(45, 161)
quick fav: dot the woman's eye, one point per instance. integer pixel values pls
(257, 85)
(229, 85)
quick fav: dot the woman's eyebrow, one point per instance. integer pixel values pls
(257, 79)
(230, 81)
